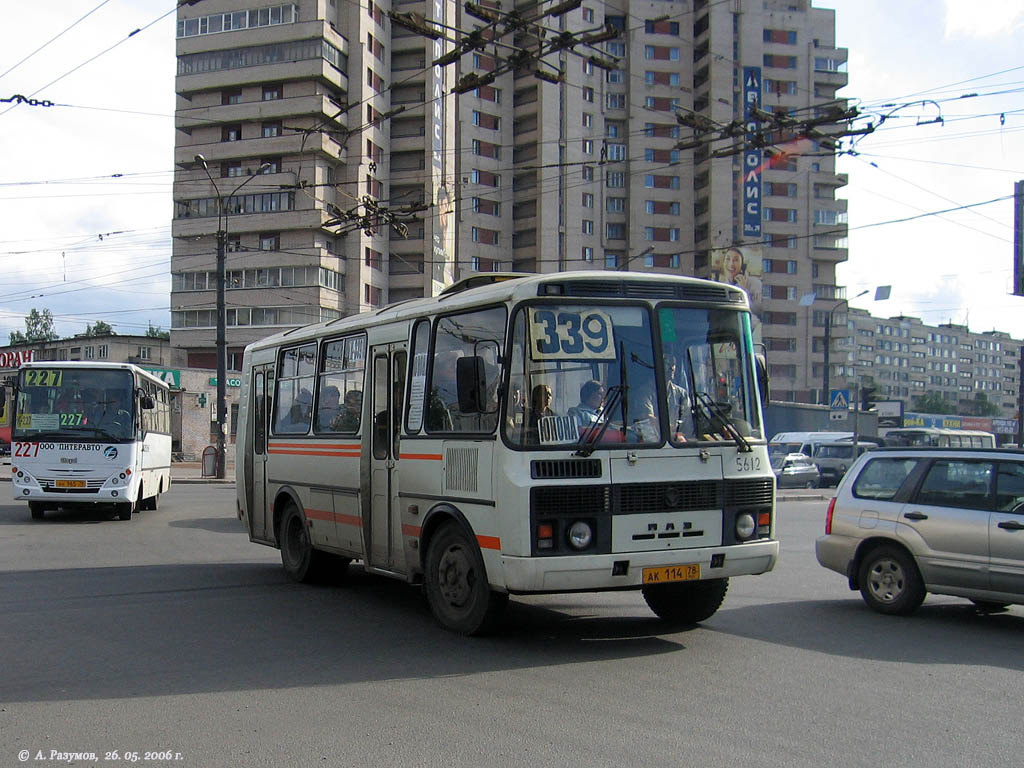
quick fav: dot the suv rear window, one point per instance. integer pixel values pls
(882, 477)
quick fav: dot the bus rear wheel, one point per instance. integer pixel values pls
(301, 562)
(456, 583)
(687, 602)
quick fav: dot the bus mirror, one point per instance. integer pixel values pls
(762, 378)
(470, 381)
(146, 401)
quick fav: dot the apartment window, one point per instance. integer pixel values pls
(588, 15)
(615, 48)
(779, 87)
(231, 133)
(273, 164)
(615, 204)
(611, 259)
(661, 27)
(145, 353)
(829, 217)
(616, 152)
(233, 244)
(588, 200)
(661, 234)
(777, 189)
(588, 147)
(613, 130)
(667, 207)
(615, 76)
(588, 253)
(588, 227)
(270, 242)
(270, 130)
(231, 97)
(615, 179)
(485, 120)
(588, 173)
(661, 78)
(615, 231)
(372, 258)
(231, 168)
(588, 94)
(588, 120)
(485, 206)
(780, 214)
(588, 67)
(661, 53)
(484, 236)
(655, 181)
(779, 62)
(271, 92)
(616, 101)
(102, 351)
(784, 36)
(372, 295)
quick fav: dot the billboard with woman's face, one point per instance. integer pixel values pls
(741, 266)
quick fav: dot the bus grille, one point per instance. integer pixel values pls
(553, 500)
(747, 493)
(666, 497)
(461, 469)
(552, 469)
(652, 290)
(50, 484)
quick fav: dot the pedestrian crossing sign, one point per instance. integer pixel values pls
(839, 399)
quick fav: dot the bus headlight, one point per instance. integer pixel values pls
(745, 526)
(580, 535)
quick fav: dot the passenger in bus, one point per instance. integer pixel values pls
(680, 414)
(348, 419)
(329, 413)
(540, 406)
(591, 395)
(299, 414)
(443, 408)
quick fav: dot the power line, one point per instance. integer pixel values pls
(52, 39)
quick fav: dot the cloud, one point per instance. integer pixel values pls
(983, 18)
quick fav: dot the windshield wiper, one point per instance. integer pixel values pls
(712, 410)
(595, 431)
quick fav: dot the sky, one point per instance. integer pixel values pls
(85, 185)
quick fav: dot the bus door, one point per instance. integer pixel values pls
(382, 516)
(262, 382)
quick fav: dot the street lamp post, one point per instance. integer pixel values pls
(828, 345)
(222, 347)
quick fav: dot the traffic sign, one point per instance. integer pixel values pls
(839, 399)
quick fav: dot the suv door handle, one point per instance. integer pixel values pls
(915, 516)
(1012, 525)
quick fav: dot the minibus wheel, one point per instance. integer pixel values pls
(298, 557)
(686, 602)
(456, 583)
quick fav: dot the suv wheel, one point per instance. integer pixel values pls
(890, 582)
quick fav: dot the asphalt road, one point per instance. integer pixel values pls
(172, 632)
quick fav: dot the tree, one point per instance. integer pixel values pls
(981, 406)
(99, 328)
(933, 402)
(156, 333)
(38, 327)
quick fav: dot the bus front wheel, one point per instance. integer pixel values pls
(686, 602)
(37, 509)
(456, 583)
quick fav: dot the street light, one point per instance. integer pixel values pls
(828, 343)
(222, 347)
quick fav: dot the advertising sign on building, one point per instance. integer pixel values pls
(751, 157)
(13, 358)
(890, 413)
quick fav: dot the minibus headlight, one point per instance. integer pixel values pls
(580, 535)
(745, 526)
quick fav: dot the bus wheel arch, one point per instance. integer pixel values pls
(284, 496)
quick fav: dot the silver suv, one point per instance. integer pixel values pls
(908, 521)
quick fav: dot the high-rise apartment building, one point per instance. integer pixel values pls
(329, 101)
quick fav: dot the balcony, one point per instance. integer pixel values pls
(290, 143)
(299, 107)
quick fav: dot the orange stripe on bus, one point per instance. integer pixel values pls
(489, 542)
(280, 452)
(411, 530)
(424, 456)
(335, 446)
(319, 514)
(349, 520)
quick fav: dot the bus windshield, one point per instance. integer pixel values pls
(590, 373)
(74, 404)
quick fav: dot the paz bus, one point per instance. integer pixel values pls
(87, 434)
(939, 437)
(518, 434)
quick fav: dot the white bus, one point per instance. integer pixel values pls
(939, 437)
(88, 434)
(518, 434)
